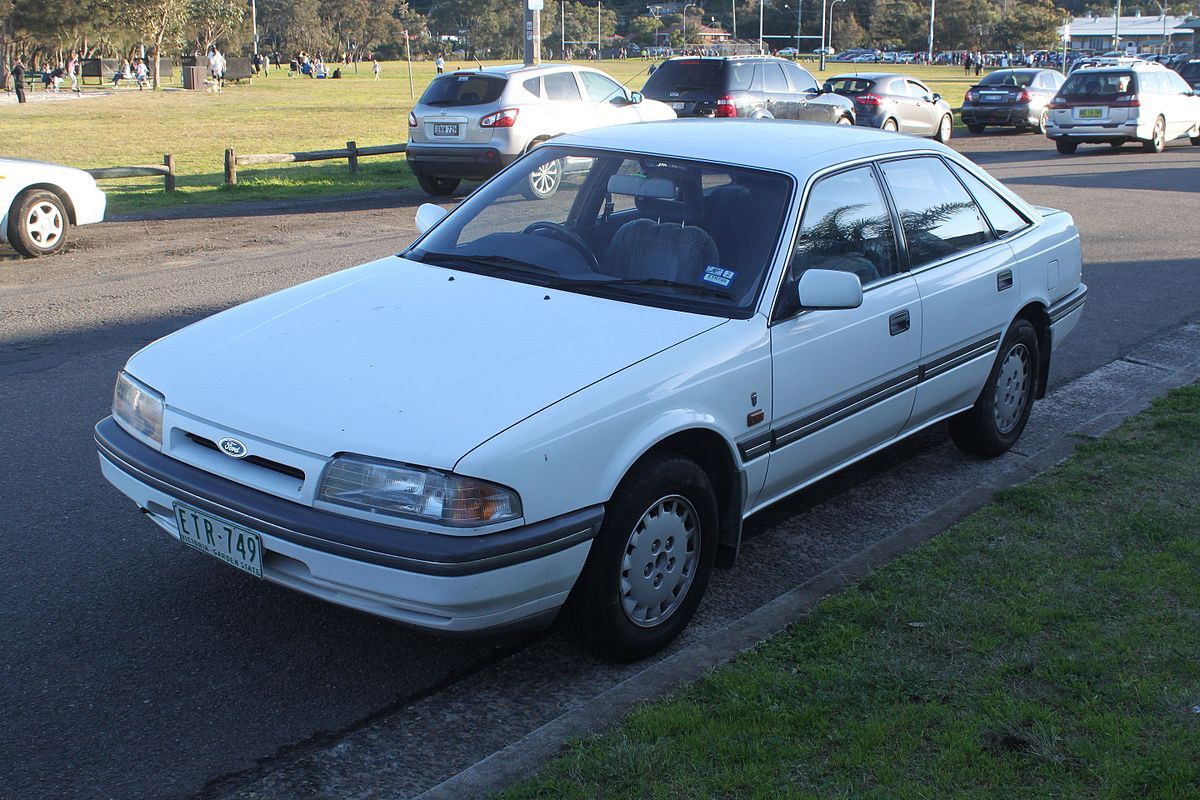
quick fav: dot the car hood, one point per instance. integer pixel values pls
(401, 360)
(27, 171)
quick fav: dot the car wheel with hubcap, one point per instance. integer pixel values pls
(945, 129)
(845, 121)
(1066, 147)
(544, 181)
(889, 124)
(651, 562)
(1158, 138)
(995, 422)
(977, 128)
(1043, 121)
(438, 187)
(37, 223)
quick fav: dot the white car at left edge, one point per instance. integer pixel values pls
(39, 202)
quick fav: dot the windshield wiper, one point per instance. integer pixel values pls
(503, 262)
(623, 282)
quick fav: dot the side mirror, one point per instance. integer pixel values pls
(635, 97)
(820, 289)
(429, 215)
(827, 88)
(937, 98)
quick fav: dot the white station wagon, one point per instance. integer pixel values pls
(572, 403)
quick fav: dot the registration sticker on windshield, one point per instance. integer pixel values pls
(721, 277)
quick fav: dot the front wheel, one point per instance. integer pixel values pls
(1158, 137)
(1065, 147)
(995, 422)
(438, 187)
(945, 129)
(37, 223)
(890, 124)
(845, 121)
(651, 562)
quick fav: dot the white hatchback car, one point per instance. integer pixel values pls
(577, 400)
(39, 202)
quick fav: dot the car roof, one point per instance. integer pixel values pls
(798, 148)
(870, 76)
(507, 70)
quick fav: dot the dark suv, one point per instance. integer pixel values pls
(745, 86)
(1190, 72)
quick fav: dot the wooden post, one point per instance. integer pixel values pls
(353, 148)
(230, 167)
(169, 163)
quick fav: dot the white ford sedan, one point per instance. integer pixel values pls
(572, 403)
(39, 202)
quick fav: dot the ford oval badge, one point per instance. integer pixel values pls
(673, 94)
(232, 447)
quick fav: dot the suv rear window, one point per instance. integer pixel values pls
(689, 75)
(466, 89)
(1008, 79)
(1099, 84)
(1191, 73)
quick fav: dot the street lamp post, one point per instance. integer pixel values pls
(799, 11)
(733, 13)
(824, 3)
(832, 6)
(761, 3)
(686, 42)
(932, 5)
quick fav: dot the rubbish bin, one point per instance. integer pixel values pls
(193, 77)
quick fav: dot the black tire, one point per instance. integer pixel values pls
(1116, 145)
(845, 119)
(995, 422)
(977, 128)
(945, 129)
(438, 187)
(1195, 140)
(37, 223)
(596, 613)
(1158, 138)
(544, 181)
(1065, 147)
(890, 124)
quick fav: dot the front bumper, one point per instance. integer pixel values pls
(89, 205)
(1065, 313)
(443, 582)
(1020, 116)
(452, 161)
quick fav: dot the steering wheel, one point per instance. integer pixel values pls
(562, 233)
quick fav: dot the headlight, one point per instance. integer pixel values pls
(397, 489)
(138, 409)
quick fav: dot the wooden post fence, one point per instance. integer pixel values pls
(166, 172)
(352, 152)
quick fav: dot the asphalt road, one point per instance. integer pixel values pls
(134, 669)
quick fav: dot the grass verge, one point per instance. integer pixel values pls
(275, 114)
(1047, 646)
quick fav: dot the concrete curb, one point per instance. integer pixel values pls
(525, 756)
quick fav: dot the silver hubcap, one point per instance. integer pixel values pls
(944, 133)
(889, 126)
(1012, 388)
(843, 121)
(45, 225)
(1158, 134)
(660, 561)
(545, 178)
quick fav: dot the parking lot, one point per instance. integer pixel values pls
(135, 669)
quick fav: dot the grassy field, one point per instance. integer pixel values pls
(1046, 647)
(274, 114)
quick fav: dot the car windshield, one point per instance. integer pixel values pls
(689, 75)
(1022, 79)
(656, 231)
(1099, 84)
(464, 89)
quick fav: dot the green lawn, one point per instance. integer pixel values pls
(271, 115)
(1047, 646)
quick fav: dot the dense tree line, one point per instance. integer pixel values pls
(47, 30)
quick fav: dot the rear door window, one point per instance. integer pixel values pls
(938, 216)
(464, 89)
(773, 80)
(562, 86)
(802, 80)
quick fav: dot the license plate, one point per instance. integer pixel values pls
(678, 106)
(224, 540)
(1091, 113)
(445, 130)
(994, 97)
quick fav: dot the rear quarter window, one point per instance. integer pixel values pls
(467, 89)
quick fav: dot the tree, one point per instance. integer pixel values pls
(155, 21)
(642, 30)
(212, 20)
(1029, 25)
(846, 32)
(900, 24)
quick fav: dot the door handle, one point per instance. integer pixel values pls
(1004, 280)
(898, 322)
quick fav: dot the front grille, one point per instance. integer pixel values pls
(258, 461)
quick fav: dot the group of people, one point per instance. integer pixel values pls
(137, 70)
(53, 77)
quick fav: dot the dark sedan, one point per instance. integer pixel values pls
(1011, 98)
(895, 103)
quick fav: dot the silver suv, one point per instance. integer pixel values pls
(473, 123)
(1124, 102)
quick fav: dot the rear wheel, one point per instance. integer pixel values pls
(438, 187)
(845, 121)
(1043, 121)
(996, 421)
(1158, 137)
(651, 562)
(890, 125)
(544, 181)
(37, 223)
(1066, 147)
(945, 129)
(977, 128)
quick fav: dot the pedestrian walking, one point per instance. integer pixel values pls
(440, 63)
(18, 75)
(140, 73)
(216, 66)
(376, 68)
(73, 72)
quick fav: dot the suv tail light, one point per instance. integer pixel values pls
(1127, 101)
(971, 96)
(504, 118)
(412, 120)
(1024, 96)
(725, 107)
(1056, 103)
(868, 100)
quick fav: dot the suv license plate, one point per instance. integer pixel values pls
(1091, 113)
(445, 130)
(678, 106)
(224, 540)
